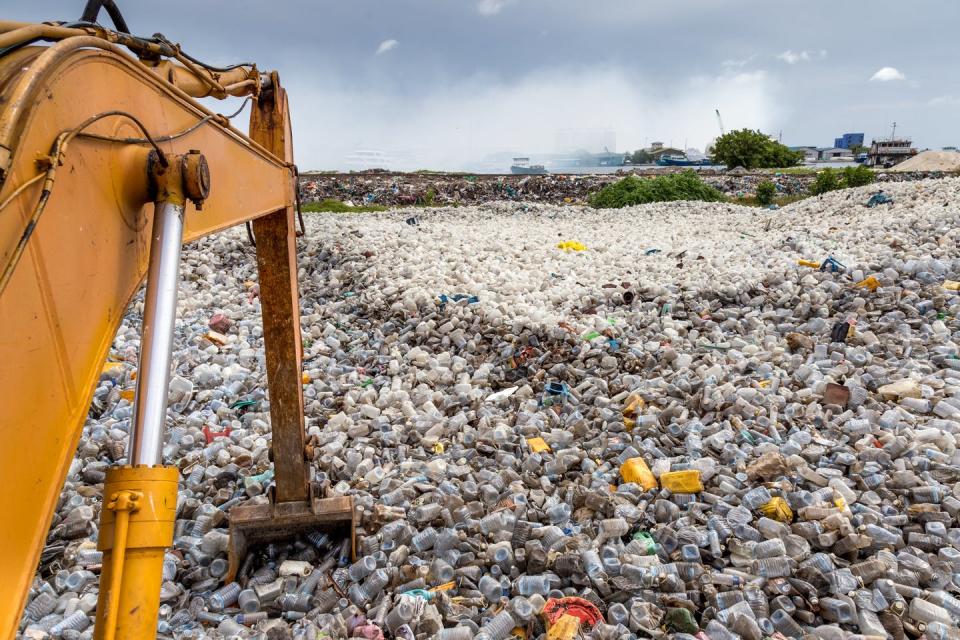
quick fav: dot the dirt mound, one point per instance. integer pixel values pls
(931, 161)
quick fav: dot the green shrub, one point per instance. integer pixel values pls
(753, 150)
(633, 190)
(858, 176)
(766, 190)
(826, 180)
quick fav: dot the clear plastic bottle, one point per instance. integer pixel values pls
(745, 626)
(618, 614)
(786, 625)
(769, 549)
(528, 585)
(758, 601)
(838, 610)
(426, 513)
(715, 630)
(402, 613)
(726, 599)
(773, 567)
(76, 621)
(248, 601)
(927, 612)
(755, 498)
(522, 609)
(225, 596)
(300, 602)
(502, 520)
(40, 606)
(371, 588)
(441, 571)
(937, 630)
(362, 568)
(424, 540)
(943, 599)
(490, 588)
(499, 627)
(592, 564)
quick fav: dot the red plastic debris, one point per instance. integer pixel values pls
(211, 435)
(587, 612)
(369, 631)
(220, 323)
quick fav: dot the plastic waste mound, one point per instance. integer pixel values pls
(614, 443)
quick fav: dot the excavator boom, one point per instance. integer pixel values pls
(83, 126)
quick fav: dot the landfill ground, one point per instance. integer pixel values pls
(426, 188)
(667, 428)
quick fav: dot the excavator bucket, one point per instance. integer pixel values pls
(253, 525)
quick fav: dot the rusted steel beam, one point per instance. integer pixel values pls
(279, 300)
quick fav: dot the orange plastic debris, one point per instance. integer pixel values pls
(868, 283)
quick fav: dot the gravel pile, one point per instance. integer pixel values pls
(667, 426)
(930, 161)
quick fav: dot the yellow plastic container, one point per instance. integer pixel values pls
(538, 445)
(571, 245)
(636, 470)
(633, 406)
(777, 509)
(566, 628)
(808, 263)
(686, 481)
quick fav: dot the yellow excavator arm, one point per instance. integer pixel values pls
(96, 145)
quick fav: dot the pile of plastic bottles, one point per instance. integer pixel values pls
(709, 440)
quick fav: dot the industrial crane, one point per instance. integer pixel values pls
(107, 165)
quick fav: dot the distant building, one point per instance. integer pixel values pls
(950, 148)
(848, 140)
(656, 150)
(888, 152)
(828, 154)
(810, 154)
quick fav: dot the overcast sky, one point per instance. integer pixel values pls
(450, 81)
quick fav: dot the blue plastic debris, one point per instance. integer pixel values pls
(879, 198)
(443, 299)
(831, 264)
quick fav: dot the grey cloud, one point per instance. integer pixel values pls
(640, 68)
